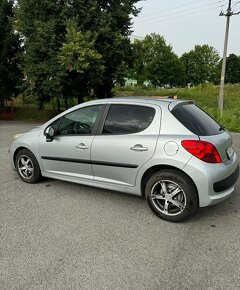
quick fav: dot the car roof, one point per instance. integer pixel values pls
(166, 102)
(142, 99)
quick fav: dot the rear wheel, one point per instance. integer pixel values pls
(171, 195)
(27, 166)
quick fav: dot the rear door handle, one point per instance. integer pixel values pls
(139, 147)
(82, 146)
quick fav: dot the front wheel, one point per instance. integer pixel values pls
(27, 166)
(171, 195)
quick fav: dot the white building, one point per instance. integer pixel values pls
(134, 37)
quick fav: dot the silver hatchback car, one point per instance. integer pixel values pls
(169, 151)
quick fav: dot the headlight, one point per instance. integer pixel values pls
(17, 136)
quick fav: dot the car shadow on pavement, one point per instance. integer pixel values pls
(229, 208)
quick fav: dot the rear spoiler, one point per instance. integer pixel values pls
(175, 105)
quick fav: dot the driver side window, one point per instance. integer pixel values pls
(79, 122)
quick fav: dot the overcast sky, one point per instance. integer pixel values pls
(185, 23)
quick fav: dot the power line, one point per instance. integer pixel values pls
(234, 5)
(169, 9)
(235, 8)
(163, 13)
(180, 15)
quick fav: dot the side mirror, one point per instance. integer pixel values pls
(50, 133)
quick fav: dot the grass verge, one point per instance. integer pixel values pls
(206, 96)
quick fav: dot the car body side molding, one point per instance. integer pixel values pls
(93, 162)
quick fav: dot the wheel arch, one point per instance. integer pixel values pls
(18, 150)
(159, 167)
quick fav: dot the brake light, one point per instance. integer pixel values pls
(203, 150)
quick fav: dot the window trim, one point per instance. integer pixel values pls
(95, 127)
(105, 114)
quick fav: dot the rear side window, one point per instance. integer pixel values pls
(196, 120)
(128, 119)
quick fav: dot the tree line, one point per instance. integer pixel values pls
(156, 62)
(64, 49)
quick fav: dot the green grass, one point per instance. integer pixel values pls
(206, 96)
(29, 110)
(32, 114)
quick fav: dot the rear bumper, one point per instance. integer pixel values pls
(227, 182)
(214, 182)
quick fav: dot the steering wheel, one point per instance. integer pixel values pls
(82, 128)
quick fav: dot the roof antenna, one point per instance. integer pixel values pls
(174, 95)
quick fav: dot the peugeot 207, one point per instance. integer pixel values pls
(169, 151)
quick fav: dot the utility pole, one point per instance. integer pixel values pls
(228, 14)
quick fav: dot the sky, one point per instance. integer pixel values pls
(186, 23)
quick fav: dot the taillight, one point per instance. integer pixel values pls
(202, 150)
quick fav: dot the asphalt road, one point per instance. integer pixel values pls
(58, 235)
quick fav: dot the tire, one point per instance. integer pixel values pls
(27, 166)
(171, 195)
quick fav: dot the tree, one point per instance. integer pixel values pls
(111, 21)
(157, 63)
(233, 69)
(201, 64)
(78, 57)
(138, 71)
(48, 61)
(41, 26)
(10, 46)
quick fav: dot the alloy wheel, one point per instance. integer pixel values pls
(25, 167)
(168, 197)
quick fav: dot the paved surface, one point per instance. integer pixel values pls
(58, 235)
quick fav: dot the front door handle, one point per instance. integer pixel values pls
(139, 147)
(82, 146)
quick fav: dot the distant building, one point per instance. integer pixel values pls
(135, 37)
(132, 83)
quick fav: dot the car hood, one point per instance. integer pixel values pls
(37, 128)
(33, 130)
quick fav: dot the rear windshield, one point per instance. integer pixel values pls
(196, 120)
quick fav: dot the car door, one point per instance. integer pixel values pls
(126, 140)
(69, 152)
